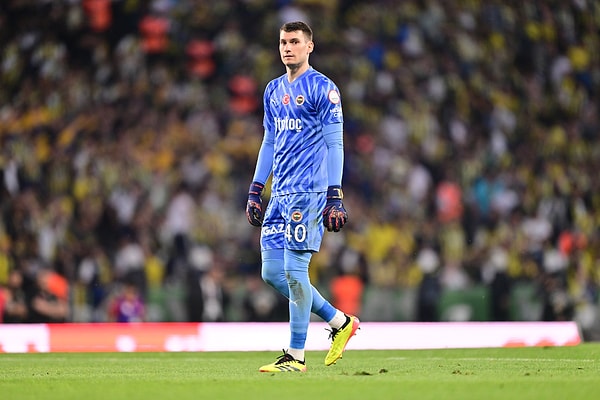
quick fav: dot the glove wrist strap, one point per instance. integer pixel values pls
(256, 188)
(335, 192)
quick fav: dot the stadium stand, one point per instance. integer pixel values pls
(128, 130)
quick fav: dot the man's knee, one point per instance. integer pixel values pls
(272, 268)
(269, 276)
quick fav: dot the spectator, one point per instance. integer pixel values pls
(347, 288)
(49, 302)
(130, 262)
(500, 286)
(214, 295)
(13, 304)
(127, 304)
(557, 302)
(261, 303)
(430, 288)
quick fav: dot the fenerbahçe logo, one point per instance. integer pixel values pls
(299, 100)
(296, 216)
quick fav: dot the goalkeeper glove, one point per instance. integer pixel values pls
(254, 211)
(334, 213)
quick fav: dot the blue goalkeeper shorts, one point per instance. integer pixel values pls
(294, 221)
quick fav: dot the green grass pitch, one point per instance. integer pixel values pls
(509, 373)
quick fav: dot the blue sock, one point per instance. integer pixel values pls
(274, 275)
(296, 269)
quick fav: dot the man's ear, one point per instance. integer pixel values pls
(311, 46)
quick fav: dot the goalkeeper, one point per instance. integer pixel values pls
(303, 149)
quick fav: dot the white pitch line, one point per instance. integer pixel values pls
(494, 359)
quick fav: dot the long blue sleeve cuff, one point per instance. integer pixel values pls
(334, 139)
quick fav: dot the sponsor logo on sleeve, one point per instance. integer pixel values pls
(336, 112)
(333, 96)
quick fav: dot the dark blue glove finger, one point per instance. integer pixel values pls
(254, 213)
(334, 217)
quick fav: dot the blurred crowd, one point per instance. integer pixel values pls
(129, 131)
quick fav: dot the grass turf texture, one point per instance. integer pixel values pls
(513, 373)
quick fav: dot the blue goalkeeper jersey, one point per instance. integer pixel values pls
(295, 115)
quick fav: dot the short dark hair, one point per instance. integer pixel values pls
(298, 26)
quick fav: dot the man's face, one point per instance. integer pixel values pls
(294, 48)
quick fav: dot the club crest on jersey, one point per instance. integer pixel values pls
(333, 96)
(286, 99)
(296, 216)
(299, 100)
